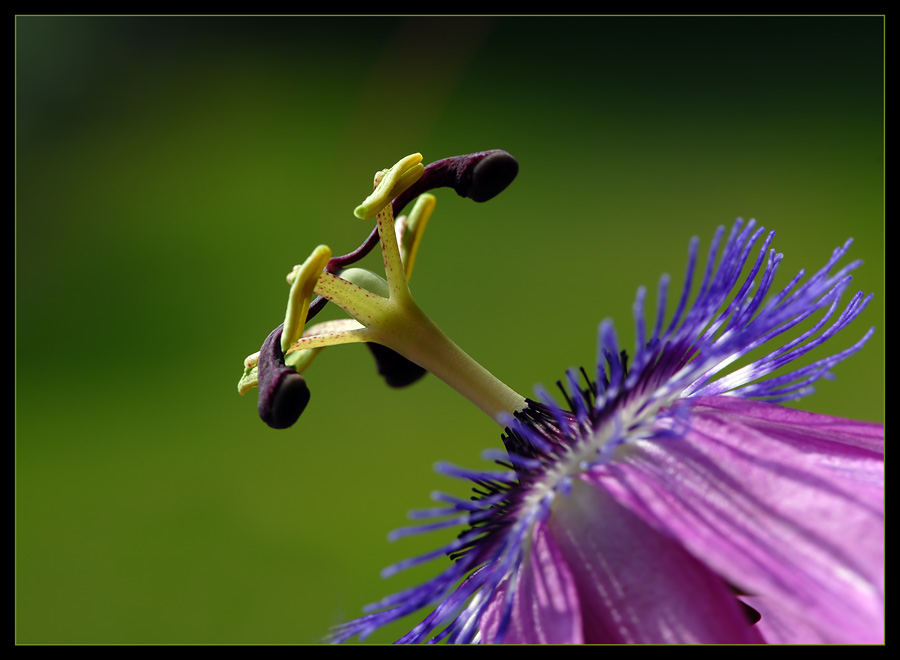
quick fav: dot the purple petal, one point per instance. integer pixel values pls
(780, 627)
(785, 505)
(636, 585)
(545, 608)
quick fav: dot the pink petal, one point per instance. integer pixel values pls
(784, 504)
(636, 585)
(779, 627)
(545, 607)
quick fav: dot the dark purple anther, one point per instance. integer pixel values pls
(480, 176)
(283, 393)
(396, 370)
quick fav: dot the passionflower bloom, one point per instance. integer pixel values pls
(663, 496)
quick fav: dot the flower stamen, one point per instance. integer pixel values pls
(383, 312)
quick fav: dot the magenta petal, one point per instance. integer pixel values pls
(786, 505)
(637, 585)
(780, 627)
(545, 608)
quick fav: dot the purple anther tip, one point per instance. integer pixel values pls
(480, 176)
(396, 370)
(489, 176)
(283, 393)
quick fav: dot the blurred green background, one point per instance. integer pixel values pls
(170, 171)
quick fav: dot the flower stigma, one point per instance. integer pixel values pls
(405, 342)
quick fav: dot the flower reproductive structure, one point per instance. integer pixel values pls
(664, 496)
